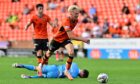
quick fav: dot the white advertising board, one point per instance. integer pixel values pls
(119, 43)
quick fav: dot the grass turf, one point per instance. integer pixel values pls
(119, 71)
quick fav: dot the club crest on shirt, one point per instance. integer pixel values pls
(44, 19)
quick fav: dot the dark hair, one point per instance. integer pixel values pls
(39, 5)
(85, 73)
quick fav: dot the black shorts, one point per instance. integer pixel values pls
(54, 45)
(41, 44)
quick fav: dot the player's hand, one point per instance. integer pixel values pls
(25, 28)
(39, 70)
(55, 24)
(68, 75)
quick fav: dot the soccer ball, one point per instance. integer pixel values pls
(102, 78)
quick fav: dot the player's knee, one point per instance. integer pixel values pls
(48, 53)
(60, 52)
(39, 56)
(39, 53)
(71, 53)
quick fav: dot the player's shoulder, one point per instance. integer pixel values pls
(45, 15)
(73, 63)
(66, 18)
(33, 16)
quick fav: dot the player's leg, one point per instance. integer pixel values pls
(46, 57)
(46, 49)
(39, 55)
(43, 45)
(52, 47)
(69, 47)
(57, 55)
(39, 52)
(27, 76)
(36, 69)
(44, 61)
(35, 76)
(29, 67)
(61, 53)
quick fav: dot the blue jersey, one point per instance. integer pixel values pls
(54, 71)
(74, 70)
(50, 71)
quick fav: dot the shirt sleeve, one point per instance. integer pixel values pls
(74, 70)
(48, 19)
(32, 19)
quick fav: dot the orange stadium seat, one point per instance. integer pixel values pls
(105, 8)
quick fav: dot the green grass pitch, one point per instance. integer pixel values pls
(119, 71)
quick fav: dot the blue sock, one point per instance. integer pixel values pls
(36, 76)
(29, 67)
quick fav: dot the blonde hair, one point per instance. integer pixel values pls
(73, 7)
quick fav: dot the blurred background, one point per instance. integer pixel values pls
(112, 25)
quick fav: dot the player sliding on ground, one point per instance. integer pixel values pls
(63, 38)
(54, 71)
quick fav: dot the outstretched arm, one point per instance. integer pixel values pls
(67, 26)
(54, 24)
(27, 26)
(68, 75)
(74, 37)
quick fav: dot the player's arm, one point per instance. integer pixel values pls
(29, 23)
(71, 35)
(74, 37)
(27, 26)
(51, 23)
(54, 24)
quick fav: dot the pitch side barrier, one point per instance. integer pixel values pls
(4, 45)
(120, 48)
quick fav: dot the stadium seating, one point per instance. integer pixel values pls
(110, 8)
